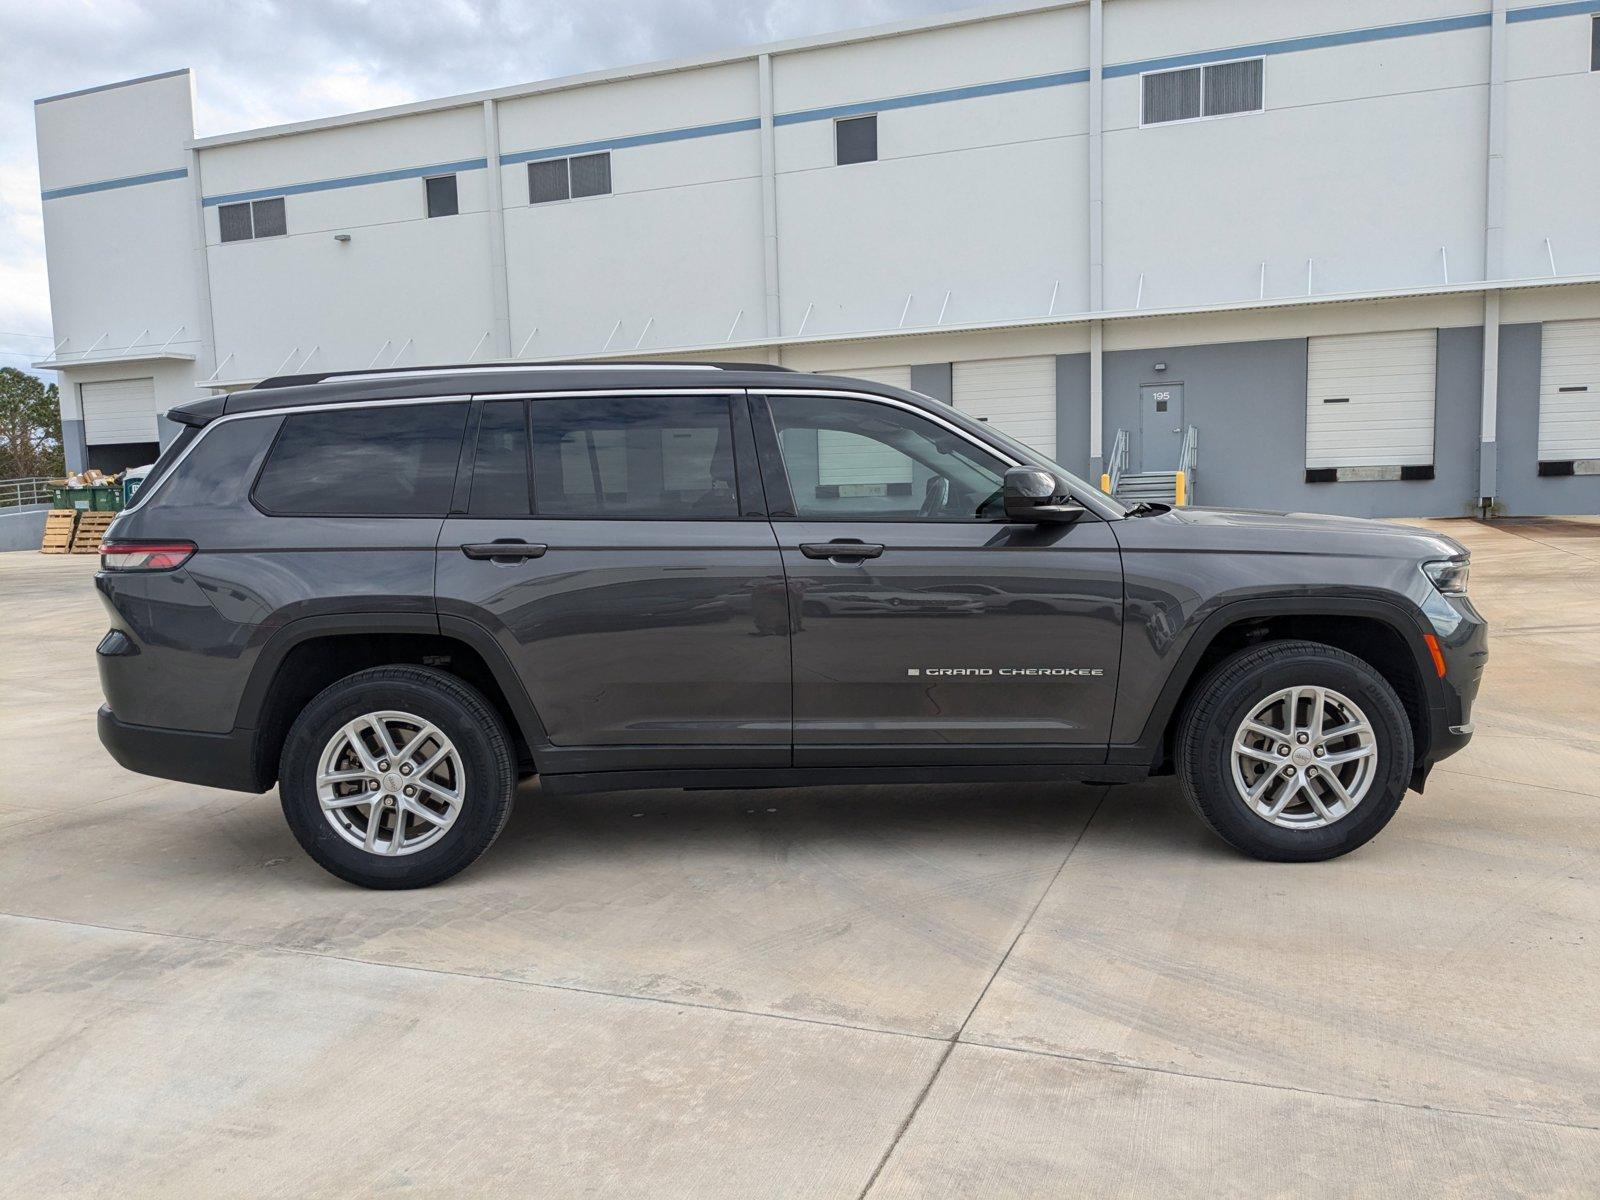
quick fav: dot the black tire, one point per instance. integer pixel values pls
(1231, 692)
(461, 713)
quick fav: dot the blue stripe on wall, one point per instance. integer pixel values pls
(1319, 41)
(638, 139)
(106, 185)
(917, 99)
(327, 185)
(1539, 12)
(914, 100)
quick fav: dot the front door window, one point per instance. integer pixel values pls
(856, 460)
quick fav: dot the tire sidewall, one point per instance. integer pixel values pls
(489, 782)
(1211, 752)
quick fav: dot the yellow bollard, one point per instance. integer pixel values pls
(1178, 490)
(1105, 483)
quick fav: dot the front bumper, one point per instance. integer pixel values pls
(219, 760)
(1465, 649)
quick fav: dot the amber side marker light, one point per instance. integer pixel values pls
(144, 556)
(1433, 649)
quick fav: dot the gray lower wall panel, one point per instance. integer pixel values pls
(1520, 490)
(1247, 401)
(1072, 414)
(22, 528)
(73, 446)
(934, 379)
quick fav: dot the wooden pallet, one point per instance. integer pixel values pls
(59, 524)
(91, 528)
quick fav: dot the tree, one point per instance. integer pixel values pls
(30, 426)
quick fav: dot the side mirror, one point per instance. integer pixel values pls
(1030, 498)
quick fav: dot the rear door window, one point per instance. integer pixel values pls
(635, 457)
(367, 461)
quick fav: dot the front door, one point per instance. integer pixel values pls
(926, 629)
(636, 586)
(1160, 426)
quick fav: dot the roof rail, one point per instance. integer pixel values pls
(282, 381)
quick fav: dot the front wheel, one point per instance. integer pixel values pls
(1294, 751)
(397, 777)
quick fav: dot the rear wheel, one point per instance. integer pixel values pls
(397, 777)
(1295, 751)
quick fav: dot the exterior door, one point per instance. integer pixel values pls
(636, 586)
(1160, 426)
(926, 629)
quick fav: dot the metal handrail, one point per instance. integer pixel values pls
(32, 489)
(1116, 464)
(1188, 459)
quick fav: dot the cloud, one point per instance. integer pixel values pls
(262, 62)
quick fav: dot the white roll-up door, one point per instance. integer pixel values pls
(848, 459)
(899, 377)
(1569, 391)
(1369, 399)
(1017, 395)
(118, 411)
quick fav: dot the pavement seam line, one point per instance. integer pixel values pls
(543, 985)
(955, 1038)
(1199, 1076)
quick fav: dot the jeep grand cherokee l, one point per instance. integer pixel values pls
(392, 594)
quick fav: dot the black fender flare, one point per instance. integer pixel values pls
(276, 648)
(1408, 622)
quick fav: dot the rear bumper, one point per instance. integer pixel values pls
(219, 760)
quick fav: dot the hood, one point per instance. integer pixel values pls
(1244, 528)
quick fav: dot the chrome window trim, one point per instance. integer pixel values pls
(288, 409)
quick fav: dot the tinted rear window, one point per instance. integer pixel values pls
(661, 458)
(370, 461)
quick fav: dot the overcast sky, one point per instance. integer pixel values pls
(260, 62)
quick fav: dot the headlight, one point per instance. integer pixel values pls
(1449, 576)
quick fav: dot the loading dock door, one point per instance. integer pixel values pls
(846, 460)
(1369, 399)
(1017, 395)
(1569, 391)
(119, 411)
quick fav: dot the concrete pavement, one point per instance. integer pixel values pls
(954, 991)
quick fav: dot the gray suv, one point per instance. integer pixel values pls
(392, 594)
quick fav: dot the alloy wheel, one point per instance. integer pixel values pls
(390, 783)
(1304, 757)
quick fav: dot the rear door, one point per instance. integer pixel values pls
(617, 548)
(927, 629)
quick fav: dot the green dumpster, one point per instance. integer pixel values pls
(105, 497)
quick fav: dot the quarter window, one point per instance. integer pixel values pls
(441, 190)
(855, 459)
(500, 466)
(855, 139)
(368, 461)
(252, 219)
(1210, 91)
(638, 457)
(569, 178)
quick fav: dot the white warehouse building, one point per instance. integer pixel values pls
(1334, 257)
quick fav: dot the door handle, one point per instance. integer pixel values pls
(505, 550)
(850, 551)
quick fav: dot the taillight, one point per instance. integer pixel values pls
(144, 556)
